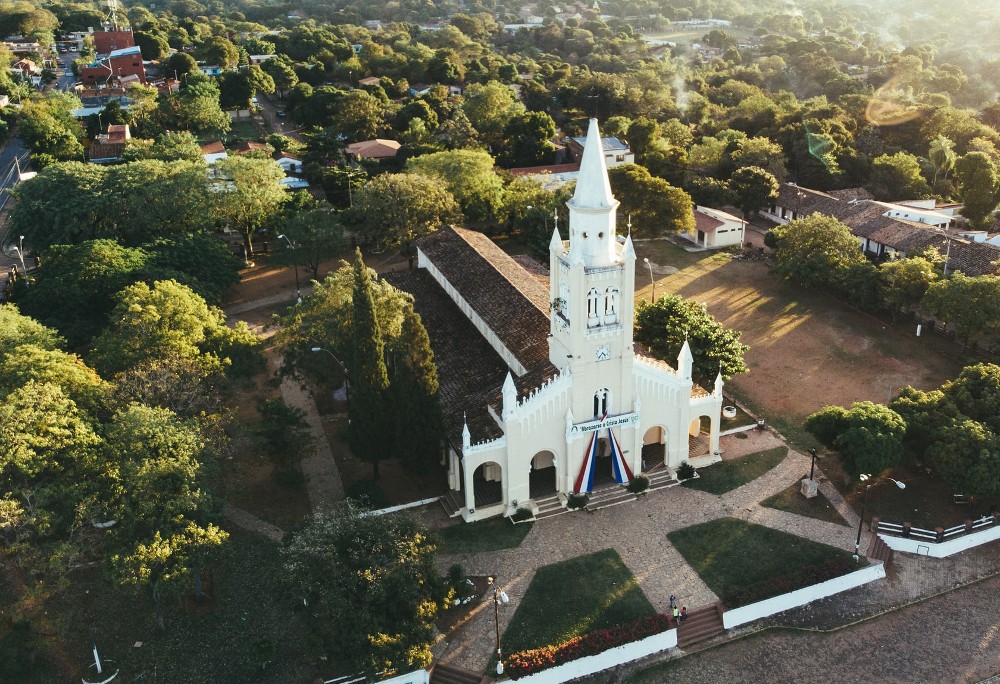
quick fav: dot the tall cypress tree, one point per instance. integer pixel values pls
(414, 388)
(371, 433)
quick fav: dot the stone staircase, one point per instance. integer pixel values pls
(880, 551)
(549, 506)
(661, 478)
(700, 624)
(609, 495)
(451, 503)
(442, 673)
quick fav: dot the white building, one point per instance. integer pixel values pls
(715, 229)
(544, 392)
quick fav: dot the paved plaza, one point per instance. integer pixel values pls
(638, 532)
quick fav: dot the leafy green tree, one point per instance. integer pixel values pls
(897, 176)
(237, 88)
(971, 305)
(393, 210)
(469, 176)
(202, 262)
(317, 235)
(168, 320)
(868, 436)
(753, 188)
(285, 433)
(656, 207)
(219, 51)
(279, 68)
(665, 325)
(488, 108)
(527, 140)
(976, 394)
(61, 205)
(978, 187)
(358, 116)
(49, 129)
(762, 153)
(195, 108)
(941, 155)
(75, 290)
(153, 45)
(369, 439)
(370, 586)
(967, 456)
(815, 251)
(179, 64)
(904, 282)
(250, 194)
(30, 363)
(17, 329)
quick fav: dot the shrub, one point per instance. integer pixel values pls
(685, 471)
(639, 483)
(577, 501)
(456, 575)
(528, 662)
(368, 492)
(522, 514)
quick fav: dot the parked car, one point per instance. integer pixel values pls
(281, 113)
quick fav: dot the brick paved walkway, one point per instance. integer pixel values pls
(638, 532)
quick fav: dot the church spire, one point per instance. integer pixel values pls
(593, 189)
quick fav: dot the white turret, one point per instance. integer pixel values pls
(592, 238)
(685, 362)
(718, 385)
(509, 396)
(466, 435)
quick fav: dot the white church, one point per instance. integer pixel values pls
(544, 392)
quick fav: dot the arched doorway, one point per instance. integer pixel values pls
(542, 478)
(487, 484)
(699, 436)
(654, 445)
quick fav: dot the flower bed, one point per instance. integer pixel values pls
(803, 577)
(528, 662)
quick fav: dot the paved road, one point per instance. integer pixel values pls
(954, 637)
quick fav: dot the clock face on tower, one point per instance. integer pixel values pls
(602, 352)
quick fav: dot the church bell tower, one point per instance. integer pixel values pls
(592, 292)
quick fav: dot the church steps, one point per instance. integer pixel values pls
(700, 624)
(451, 504)
(442, 673)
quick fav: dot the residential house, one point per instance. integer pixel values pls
(887, 230)
(289, 163)
(213, 151)
(378, 148)
(259, 59)
(248, 146)
(210, 69)
(114, 66)
(112, 40)
(107, 148)
(715, 229)
(419, 90)
(616, 152)
(369, 81)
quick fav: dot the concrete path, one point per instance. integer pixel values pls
(638, 531)
(323, 481)
(248, 521)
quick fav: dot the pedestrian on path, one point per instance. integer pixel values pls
(684, 613)
(673, 603)
(677, 615)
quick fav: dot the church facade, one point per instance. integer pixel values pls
(544, 391)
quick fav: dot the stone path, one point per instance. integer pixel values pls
(638, 532)
(248, 521)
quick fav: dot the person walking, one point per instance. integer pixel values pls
(684, 613)
(677, 615)
(673, 603)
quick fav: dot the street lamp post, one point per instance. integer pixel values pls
(499, 597)
(812, 468)
(864, 498)
(295, 263)
(652, 295)
(347, 376)
(20, 254)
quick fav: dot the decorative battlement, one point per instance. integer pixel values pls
(499, 442)
(546, 391)
(655, 364)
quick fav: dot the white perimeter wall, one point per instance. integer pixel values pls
(922, 547)
(761, 609)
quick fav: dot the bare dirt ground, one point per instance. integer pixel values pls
(807, 350)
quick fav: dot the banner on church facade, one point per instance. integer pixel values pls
(604, 423)
(585, 480)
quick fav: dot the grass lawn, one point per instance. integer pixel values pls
(730, 554)
(575, 597)
(728, 475)
(492, 534)
(792, 501)
(207, 643)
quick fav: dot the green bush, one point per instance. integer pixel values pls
(456, 575)
(685, 471)
(578, 501)
(522, 514)
(368, 492)
(639, 483)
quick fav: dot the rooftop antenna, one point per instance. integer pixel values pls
(593, 96)
(113, 14)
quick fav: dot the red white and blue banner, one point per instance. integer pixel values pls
(585, 480)
(622, 472)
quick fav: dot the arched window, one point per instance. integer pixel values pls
(593, 314)
(611, 306)
(602, 402)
